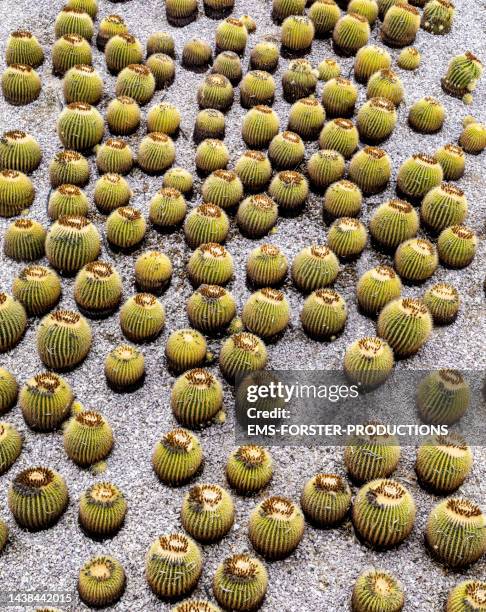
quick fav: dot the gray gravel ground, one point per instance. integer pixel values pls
(320, 575)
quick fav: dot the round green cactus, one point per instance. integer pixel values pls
(377, 287)
(71, 243)
(211, 264)
(153, 271)
(406, 324)
(266, 312)
(173, 565)
(102, 509)
(196, 397)
(371, 456)
(241, 353)
(457, 246)
(266, 266)
(416, 259)
(418, 175)
(13, 322)
(240, 582)
(249, 469)
(124, 367)
(123, 116)
(383, 513)
(443, 463)
(9, 390)
(207, 512)
(24, 240)
(347, 237)
(370, 168)
(185, 349)
(101, 581)
(456, 532)
(443, 206)
(142, 317)
(211, 308)
(177, 457)
(276, 527)
(19, 151)
(443, 301)
(16, 193)
(80, 126)
(326, 499)
(23, 48)
(10, 448)
(443, 397)
(98, 288)
(206, 223)
(20, 84)
(37, 498)
(45, 401)
(377, 590)
(88, 438)
(314, 267)
(368, 362)
(467, 595)
(111, 192)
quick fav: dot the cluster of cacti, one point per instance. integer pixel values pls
(256, 187)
